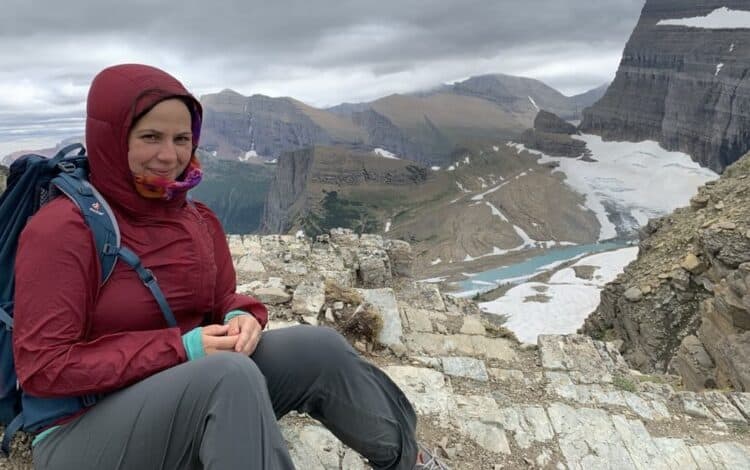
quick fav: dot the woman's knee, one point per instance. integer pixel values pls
(228, 369)
(326, 341)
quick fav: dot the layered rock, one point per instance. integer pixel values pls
(552, 136)
(687, 88)
(482, 401)
(684, 304)
(302, 176)
(234, 124)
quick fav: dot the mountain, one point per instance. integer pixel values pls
(234, 125)
(428, 127)
(684, 304)
(492, 202)
(686, 87)
(518, 94)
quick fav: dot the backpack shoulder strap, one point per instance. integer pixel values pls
(97, 215)
(101, 220)
(149, 280)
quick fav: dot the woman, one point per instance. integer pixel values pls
(205, 394)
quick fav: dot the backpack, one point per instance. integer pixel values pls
(33, 181)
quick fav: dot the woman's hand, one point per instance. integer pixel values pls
(215, 338)
(248, 329)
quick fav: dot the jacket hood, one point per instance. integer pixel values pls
(118, 95)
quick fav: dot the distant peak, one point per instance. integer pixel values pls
(229, 91)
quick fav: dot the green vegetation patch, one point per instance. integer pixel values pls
(336, 212)
(236, 192)
(624, 383)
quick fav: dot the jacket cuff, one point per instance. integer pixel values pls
(193, 342)
(232, 314)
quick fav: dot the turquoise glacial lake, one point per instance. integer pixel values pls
(515, 273)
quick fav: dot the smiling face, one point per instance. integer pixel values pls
(161, 143)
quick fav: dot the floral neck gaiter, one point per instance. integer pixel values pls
(157, 187)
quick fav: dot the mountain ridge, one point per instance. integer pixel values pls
(686, 88)
(426, 126)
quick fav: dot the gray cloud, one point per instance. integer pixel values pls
(320, 51)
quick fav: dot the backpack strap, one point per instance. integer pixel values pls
(5, 317)
(96, 213)
(101, 220)
(149, 280)
(10, 430)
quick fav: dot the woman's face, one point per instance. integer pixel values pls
(161, 142)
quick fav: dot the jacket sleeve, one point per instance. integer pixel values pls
(226, 297)
(57, 282)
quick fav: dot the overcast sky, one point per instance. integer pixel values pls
(322, 52)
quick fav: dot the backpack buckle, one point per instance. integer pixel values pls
(89, 400)
(148, 277)
(67, 167)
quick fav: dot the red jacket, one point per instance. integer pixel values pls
(72, 337)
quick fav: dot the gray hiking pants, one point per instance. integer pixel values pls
(219, 412)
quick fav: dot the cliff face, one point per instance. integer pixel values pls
(319, 188)
(684, 304)
(687, 88)
(267, 125)
(284, 201)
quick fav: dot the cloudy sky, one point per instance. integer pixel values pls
(322, 52)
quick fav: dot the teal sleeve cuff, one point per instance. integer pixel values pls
(193, 342)
(232, 314)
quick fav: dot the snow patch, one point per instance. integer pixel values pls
(519, 147)
(479, 197)
(640, 179)
(569, 299)
(387, 226)
(433, 280)
(436, 261)
(248, 155)
(435, 168)
(721, 18)
(299, 235)
(385, 153)
(496, 211)
(497, 149)
(731, 48)
(718, 69)
(527, 240)
(467, 160)
(461, 188)
(533, 103)
(452, 168)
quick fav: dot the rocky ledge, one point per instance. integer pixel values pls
(484, 401)
(552, 135)
(684, 304)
